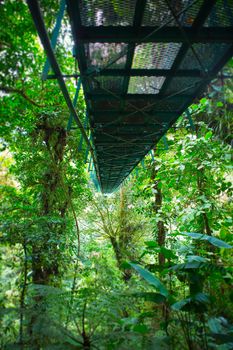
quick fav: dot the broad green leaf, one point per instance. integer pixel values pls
(186, 266)
(198, 258)
(199, 298)
(180, 304)
(218, 242)
(202, 298)
(213, 240)
(151, 279)
(215, 325)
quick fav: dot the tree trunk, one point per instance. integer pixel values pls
(126, 274)
(161, 232)
(46, 255)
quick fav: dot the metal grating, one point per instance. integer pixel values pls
(107, 13)
(105, 105)
(145, 85)
(169, 105)
(155, 55)
(102, 84)
(221, 14)
(99, 55)
(142, 63)
(208, 54)
(187, 85)
(157, 12)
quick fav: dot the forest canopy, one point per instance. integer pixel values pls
(148, 266)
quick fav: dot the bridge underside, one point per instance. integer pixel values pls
(142, 63)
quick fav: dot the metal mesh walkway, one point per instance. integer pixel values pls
(142, 63)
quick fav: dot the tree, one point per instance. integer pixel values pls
(48, 171)
(117, 219)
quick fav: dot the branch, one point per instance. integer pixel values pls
(9, 90)
(105, 225)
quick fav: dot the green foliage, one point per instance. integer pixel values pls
(65, 279)
(213, 240)
(151, 279)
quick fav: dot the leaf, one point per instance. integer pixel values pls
(186, 266)
(151, 244)
(215, 325)
(230, 63)
(193, 262)
(167, 253)
(180, 304)
(208, 135)
(192, 300)
(221, 331)
(213, 240)
(198, 258)
(203, 100)
(151, 279)
(202, 298)
(218, 242)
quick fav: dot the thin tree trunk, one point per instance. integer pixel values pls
(158, 201)
(22, 297)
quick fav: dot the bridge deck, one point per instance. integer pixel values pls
(142, 63)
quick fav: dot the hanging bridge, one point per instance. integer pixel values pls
(141, 64)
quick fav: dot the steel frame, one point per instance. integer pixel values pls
(123, 121)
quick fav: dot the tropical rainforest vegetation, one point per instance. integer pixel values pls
(146, 267)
